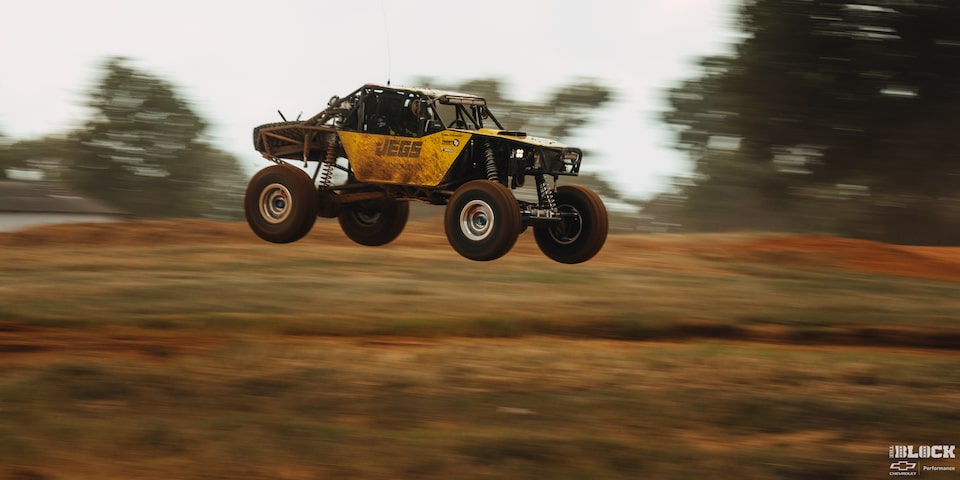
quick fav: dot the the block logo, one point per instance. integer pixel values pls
(923, 451)
(910, 460)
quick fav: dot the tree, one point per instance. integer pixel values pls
(50, 155)
(221, 184)
(831, 116)
(6, 156)
(144, 149)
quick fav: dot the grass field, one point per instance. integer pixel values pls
(192, 350)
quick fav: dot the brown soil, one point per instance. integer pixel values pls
(382, 368)
(941, 263)
(860, 255)
(27, 342)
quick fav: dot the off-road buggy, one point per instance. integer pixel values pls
(380, 147)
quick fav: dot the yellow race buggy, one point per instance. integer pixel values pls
(380, 147)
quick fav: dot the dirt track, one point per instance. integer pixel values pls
(941, 263)
(802, 369)
(706, 261)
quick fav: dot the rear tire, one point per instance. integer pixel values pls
(574, 239)
(374, 224)
(482, 220)
(281, 204)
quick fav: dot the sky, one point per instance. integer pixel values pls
(237, 62)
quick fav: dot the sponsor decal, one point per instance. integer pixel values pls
(903, 468)
(449, 142)
(399, 148)
(939, 468)
(908, 459)
(923, 451)
(446, 140)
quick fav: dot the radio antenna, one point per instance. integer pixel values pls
(386, 29)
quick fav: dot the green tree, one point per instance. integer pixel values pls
(831, 116)
(6, 156)
(51, 155)
(221, 183)
(144, 148)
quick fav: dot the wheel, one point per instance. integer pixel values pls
(374, 223)
(281, 204)
(482, 220)
(582, 231)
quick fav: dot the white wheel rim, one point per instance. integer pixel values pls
(275, 203)
(476, 220)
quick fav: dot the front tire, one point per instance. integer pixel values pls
(482, 220)
(583, 230)
(281, 204)
(374, 224)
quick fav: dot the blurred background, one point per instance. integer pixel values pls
(696, 115)
(237, 63)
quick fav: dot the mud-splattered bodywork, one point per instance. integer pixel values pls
(380, 147)
(415, 137)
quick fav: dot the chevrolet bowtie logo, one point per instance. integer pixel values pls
(903, 466)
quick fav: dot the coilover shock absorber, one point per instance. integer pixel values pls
(490, 163)
(545, 193)
(326, 169)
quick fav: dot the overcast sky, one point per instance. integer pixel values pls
(238, 61)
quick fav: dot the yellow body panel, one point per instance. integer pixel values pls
(422, 161)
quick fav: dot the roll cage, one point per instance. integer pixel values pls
(385, 110)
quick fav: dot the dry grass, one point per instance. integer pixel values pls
(136, 351)
(468, 408)
(217, 275)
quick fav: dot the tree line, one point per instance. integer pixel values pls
(142, 150)
(829, 117)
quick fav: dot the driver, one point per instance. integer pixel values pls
(409, 122)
